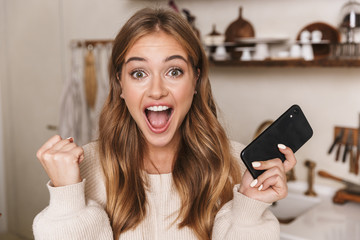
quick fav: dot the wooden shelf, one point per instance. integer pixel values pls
(290, 63)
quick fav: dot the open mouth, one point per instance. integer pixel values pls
(158, 117)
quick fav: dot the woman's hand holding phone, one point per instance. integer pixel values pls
(271, 185)
(60, 159)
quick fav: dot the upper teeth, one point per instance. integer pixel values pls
(157, 108)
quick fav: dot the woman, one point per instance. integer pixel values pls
(162, 167)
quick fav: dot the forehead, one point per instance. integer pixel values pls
(156, 42)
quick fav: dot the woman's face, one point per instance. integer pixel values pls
(158, 85)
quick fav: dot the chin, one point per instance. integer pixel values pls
(161, 141)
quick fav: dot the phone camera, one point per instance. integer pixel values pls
(295, 111)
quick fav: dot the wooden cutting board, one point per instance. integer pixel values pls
(240, 28)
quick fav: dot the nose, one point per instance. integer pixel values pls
(157, 88)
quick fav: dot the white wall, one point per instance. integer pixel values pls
(3, 208)
(37, 37)
(31, 90)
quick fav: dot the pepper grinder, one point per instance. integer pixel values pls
(311, 174)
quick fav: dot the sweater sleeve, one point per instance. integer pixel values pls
(70, 216)
(245, 218)
(77, 211)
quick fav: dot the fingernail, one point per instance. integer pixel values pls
(281, 146)
(253, 183)
(256, 164)
(261, 187)
(71, 139)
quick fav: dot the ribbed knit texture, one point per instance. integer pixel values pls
(78, 211)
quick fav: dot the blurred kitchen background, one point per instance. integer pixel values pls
(43, 47)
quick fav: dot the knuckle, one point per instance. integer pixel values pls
(47, 156)
(69, 158)
(278, 178)
(57, 138)
(81, 150)
(59, 157)
(278, 170)
(72, 145)
(278, 161)
(39, 154)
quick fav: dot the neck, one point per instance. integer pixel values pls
(160, 160)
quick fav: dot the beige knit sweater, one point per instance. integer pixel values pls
(77, 211)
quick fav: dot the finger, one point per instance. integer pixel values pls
(57, 153)
(60, 145)
(82, 157)
(264, 165)
(290, 160)
(276, 184)
(78, 153)
(68, 147)
(47, 145)
(274, 171)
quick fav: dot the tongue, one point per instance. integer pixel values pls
(157, 119)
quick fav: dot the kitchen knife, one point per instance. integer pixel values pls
(338, 152)
(352, 161)
(337, 140)
(348, 145)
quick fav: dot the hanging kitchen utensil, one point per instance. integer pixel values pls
(337, 140)
(90, 78)
(240, 28)
(352, 161)
(348, 146)
(337, 155)
(350, 187)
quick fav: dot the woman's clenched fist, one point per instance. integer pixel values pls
(60, 159)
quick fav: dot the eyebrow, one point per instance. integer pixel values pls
(135, 59)
(166, 59)
(175, 57)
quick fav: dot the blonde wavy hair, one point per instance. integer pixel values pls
(204, 171)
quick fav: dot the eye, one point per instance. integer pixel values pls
(138, 74)
(175, 72)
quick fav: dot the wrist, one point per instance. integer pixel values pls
(68, 182)
(66, 199)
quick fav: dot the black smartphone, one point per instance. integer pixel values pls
(291, 129)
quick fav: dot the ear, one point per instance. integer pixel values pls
(121, 85)
(198, 74)
(197, 78)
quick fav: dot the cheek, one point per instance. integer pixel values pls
(184, 96)
(131, 96)
(128, 90)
